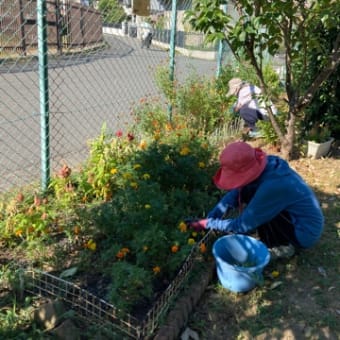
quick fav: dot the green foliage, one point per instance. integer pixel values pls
(261, 29)
(124, 208)
(112, 11)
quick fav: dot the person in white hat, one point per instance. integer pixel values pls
(249, 103)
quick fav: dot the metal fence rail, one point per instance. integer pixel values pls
(95, 309)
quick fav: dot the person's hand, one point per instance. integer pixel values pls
(197, 224)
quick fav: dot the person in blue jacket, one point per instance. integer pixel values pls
(272, 198)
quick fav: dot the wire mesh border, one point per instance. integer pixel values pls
(91, 307)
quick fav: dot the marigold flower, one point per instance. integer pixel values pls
(134, 185)
(184, 151)
(203, 248)
(18, 232)
(183, 227)
(142, 145)
(145, 249)
(194, 234)
(191, 241)
(137, 166)
(76, 229)
(174, 248)
(201, 165)
(147, 206)
(146, 177)
(113, 171)
(156, 269)
(91, 245)
(125, 250)
(127, 175)
(275, 274)
(120, 255)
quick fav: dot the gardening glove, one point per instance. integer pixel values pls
(197, 224)
(222, 208)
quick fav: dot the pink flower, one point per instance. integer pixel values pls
(119, 133)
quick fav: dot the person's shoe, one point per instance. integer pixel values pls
(282, 252)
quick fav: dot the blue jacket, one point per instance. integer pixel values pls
(278, 188)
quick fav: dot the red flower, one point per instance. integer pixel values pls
(119, 133)
(130, 137)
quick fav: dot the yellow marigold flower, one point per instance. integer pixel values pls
(184, 151)
(91, 245)
(191, 241)
(134, 185)
(156, 269)
(127, 175)
(113, 171)
(183, 227)
(175, 248)
(125, 250)
(275, 274)
(146, 176)
(201, 165)
(142, 144)
(156, 136)
(203, 248)
(147, 206)
(137, 166)
(194, 234)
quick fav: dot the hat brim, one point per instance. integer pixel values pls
(232, 91)
(226, 179)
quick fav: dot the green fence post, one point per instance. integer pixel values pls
(220, 49)
(172, 48)
(43, 92)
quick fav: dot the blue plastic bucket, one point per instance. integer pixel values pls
(240, 260)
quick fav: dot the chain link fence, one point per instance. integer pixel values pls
(95, 75)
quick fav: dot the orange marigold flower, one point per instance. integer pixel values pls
(156, 269)
(142, 145)
(18, 232)
(174, 248)
(203, 248)
(120, 255)
(76, 229)
(183, 227)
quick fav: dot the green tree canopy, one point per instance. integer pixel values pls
(264, 26)
(112, 11)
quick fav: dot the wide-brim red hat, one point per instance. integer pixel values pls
(240, 165)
